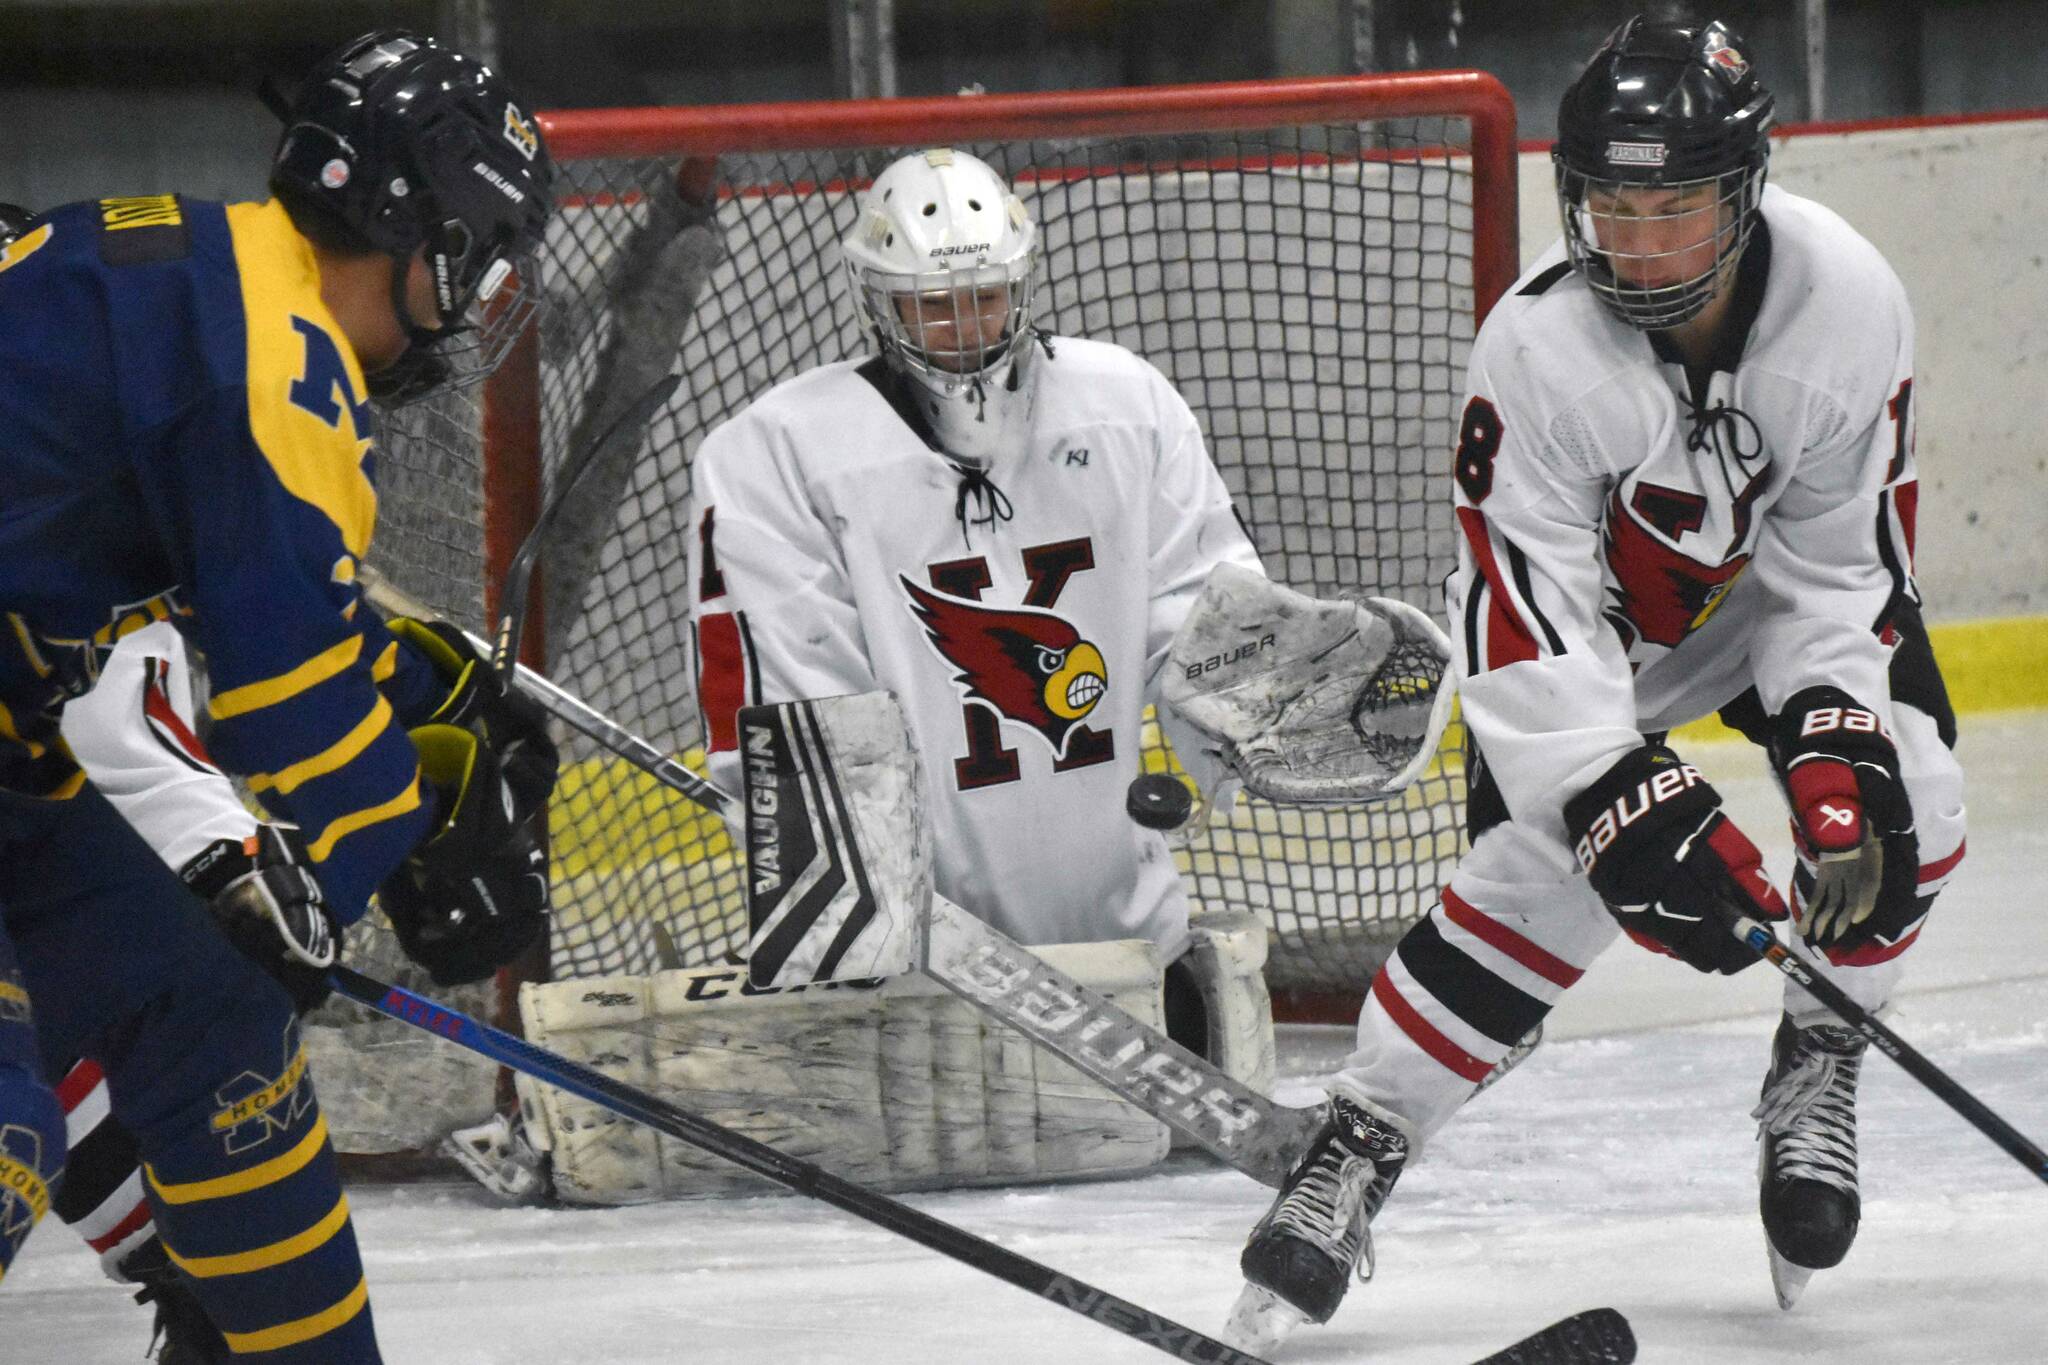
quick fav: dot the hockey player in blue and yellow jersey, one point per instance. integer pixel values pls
(186, 434)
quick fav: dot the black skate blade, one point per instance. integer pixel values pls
(1598, 1336)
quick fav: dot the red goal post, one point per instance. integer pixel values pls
(1306, 259)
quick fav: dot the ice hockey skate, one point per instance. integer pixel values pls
(498, 1154)
(187, 1335)
(1807, 1167)
(1302, 1253)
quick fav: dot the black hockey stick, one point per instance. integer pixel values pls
(519, 574)
(1766, 945)
(1121, 1315)
(1598, 1336)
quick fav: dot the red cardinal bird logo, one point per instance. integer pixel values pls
(1028, 666)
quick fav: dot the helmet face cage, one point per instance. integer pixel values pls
(479, 323)
(1636, 262)
(934, 324)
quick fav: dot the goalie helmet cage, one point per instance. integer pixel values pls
(1306, 260)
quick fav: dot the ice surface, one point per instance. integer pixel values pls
(1617, 1167)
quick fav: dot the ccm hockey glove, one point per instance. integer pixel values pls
(514, 727)
(1652, 840)
(475, 894)
(1850, 817)
(269, 906)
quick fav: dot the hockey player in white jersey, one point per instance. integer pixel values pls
(1002, 527)
(1684, 483)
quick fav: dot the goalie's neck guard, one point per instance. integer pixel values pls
(979, 419)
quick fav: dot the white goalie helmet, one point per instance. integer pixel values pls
(942, 267)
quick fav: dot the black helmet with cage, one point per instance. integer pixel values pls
(1668, 115)
(394, 143)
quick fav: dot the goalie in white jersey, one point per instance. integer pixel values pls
(1685, 483)
(1002, 527)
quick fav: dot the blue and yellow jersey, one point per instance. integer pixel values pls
(183, 434)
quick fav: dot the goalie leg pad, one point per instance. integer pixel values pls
(1225, 962)
(897, 1085)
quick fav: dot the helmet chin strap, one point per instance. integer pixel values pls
(415, 371)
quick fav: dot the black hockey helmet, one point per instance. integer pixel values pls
(394, 143)
(1662, 106)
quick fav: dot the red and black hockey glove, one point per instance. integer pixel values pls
(512, 724)
(266, 901)
(1851, 819)
(1653, 842)
(473, 896)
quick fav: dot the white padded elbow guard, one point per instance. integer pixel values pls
(898, 1086)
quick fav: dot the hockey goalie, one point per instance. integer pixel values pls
(1005, 531)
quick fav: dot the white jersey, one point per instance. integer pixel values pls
(133, 734)
(1633, 554)
(1022, 624)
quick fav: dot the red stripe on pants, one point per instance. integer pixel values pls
(1508, 943)
(1426, 1035)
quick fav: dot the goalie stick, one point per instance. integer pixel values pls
(2010, 1139)
(801, 1177)
(1599, 1336)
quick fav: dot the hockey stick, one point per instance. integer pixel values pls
(1767, 946)
(1121, 1315)
(1598, 1336)
(519, 574)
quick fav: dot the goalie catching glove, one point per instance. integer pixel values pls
(270, 907)
(1673, 869)
(1851, 818)
(512, 724)
(1310, 702)
(475, 894)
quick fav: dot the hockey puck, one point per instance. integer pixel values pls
(1159, 801)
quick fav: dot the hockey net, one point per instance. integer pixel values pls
(1306, 260)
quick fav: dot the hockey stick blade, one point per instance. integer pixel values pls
(1945, 1088)
(1598, 1336)
(519, 574)
(1121, 1315)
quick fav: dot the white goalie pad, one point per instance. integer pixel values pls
(839, 853)
(1226, 961)
(896, 1085)
(1310, 702)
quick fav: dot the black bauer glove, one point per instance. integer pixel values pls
(268, 904)
(1851, 819)
(513, 725)
(1651, 838)
(475, 894)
